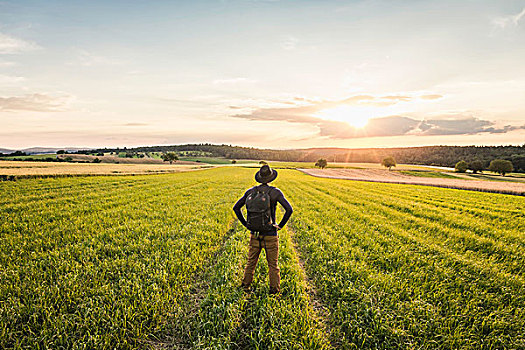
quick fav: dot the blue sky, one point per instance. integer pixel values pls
(279, 74)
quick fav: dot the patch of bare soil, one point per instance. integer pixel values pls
(380, 175)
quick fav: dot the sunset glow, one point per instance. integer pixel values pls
(356, 116)
(90, 74)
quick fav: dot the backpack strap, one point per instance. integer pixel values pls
(270, 188)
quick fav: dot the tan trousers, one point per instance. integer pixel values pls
(271, 245)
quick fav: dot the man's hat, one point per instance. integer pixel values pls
(265, 174)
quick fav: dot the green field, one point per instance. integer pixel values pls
(513, 177)
(214, 160)
(33, 156)
(155, 261)
(423, 173)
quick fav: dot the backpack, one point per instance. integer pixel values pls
(258, 207)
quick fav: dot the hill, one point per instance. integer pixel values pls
(446, 156)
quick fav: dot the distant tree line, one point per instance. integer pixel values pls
(446, 156)
(500, 166)
(225, 151)
(14, 154)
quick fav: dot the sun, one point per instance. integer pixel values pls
(356, 116)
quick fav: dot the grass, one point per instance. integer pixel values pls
(213, 160)
(306, 165)
(156, 262)
(28, 169)
(34, 156)
(104, 261)
(433, 174)
(516, 177)
(411, 267)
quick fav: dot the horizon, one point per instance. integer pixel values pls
(263, 74)
(232, 145)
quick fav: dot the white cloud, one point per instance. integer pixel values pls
(229, 81)
(289, 42)
(7, 79)
(7, 64)
(35, 102)
(88, 59)
(510, 20)
(12, 45)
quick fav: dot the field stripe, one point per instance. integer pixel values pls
(73, 276)
(478, 262)
(227, 318)
(283, 322)
(199, 322)
(321, 237)
(456, 236)
(320, 313)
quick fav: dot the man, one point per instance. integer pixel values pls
(261, 202)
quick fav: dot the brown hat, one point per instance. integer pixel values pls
(265, 174)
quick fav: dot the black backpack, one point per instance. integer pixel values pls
(258, 206)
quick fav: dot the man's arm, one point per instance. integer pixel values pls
(237, 209)
(288, 210)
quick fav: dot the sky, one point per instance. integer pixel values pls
(273, 74)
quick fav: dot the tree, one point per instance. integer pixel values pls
(321, 163)
(18, 153)
(388, 162)
(234, 161)
(461, 166)
(501, 166)
(476, 165)
(61, 151)
(170, 157)
(96, 160)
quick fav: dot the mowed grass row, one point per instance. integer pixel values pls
(103, 262)
(144, 261)
(228, 318)
(409, 267)
(154, 262)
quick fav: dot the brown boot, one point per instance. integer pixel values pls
(274, 291)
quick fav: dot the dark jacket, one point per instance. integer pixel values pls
(276, 196)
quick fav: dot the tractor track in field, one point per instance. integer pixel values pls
(321, 313)
(190, 301)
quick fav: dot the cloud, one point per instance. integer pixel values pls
(453, 126)
(12, 45)
(289, 43)
(430, 97)
(395, 125)
(231, 81)
(376, 127)
(135, 124)
(35, 102)
(7, 64)
(8, 79)
(507, 21)
(306, 107)
(88, 59)
(397, 98)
